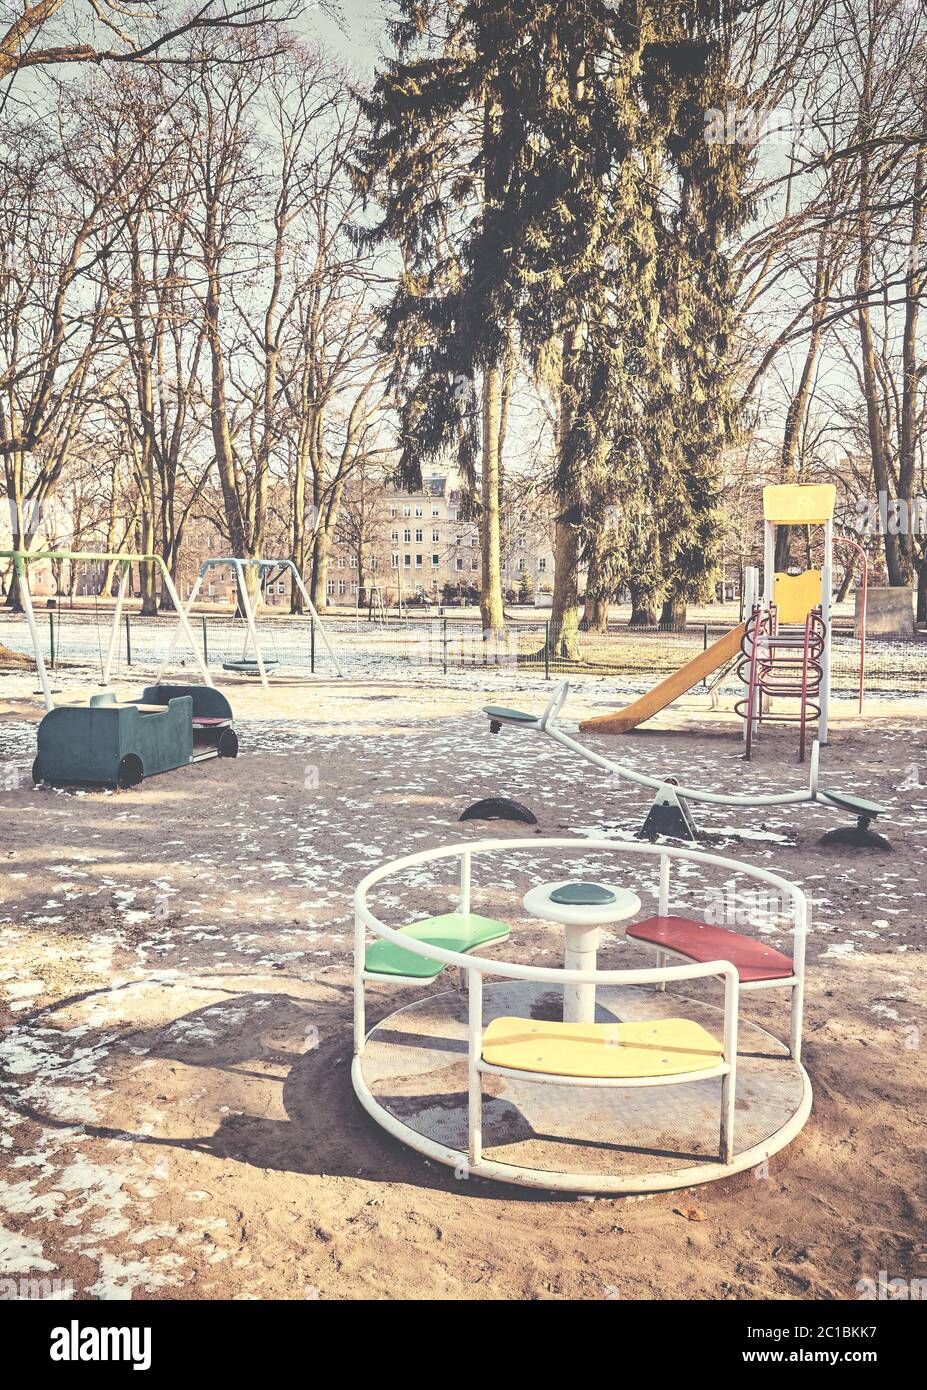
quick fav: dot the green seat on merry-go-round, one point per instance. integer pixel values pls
(452, 931)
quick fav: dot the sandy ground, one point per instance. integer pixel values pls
(177, 1119)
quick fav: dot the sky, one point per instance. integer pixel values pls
(359, 40)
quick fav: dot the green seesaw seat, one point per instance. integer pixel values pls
(454, 931)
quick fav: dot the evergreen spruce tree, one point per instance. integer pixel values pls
(694, 415)
(543, 166)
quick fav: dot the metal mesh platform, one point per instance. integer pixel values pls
(412, 1077)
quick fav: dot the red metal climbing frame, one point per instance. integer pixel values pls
(781, 663)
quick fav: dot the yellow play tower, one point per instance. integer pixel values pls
(787, 644)
(782, 649)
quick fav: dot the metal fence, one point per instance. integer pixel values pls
(637, 657)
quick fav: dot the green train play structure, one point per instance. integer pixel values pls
(106, 742)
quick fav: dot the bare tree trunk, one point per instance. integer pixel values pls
(910, 370)
(595, 611)
(298, 528)
(19, 539)
(564, 620)
(798, 406)
(898, 571)
(320, 552)
(491, 607)
(221, 434)
(147, 572)
(922, 591)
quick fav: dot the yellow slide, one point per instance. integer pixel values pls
(669, 690)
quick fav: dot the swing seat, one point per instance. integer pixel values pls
(248, 667)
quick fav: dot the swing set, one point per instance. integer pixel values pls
(252, 660)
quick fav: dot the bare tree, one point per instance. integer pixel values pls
(53, 304)
(363, 520)
(334, 369)
(54, 33)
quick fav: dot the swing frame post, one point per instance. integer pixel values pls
(114, 630)
(19, 565)
(182, 625)
(244, 599)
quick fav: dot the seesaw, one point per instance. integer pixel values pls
(670, 814)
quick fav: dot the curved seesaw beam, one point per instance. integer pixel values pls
(671, 794)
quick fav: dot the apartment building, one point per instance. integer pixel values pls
(424, 547)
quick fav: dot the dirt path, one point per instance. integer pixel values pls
(177, 1118)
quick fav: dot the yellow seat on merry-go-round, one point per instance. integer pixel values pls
(601, 1051)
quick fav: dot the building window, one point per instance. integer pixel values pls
(418, 535)
(281, 587)
(394, 561)
(394, 534)
(474, 542)
(353, 562)
(330, 587)
(436, 511)
(407, 562)
(521, 565)
(407, 536)
(407, 511)
(435, 561)
(341, 562)
(353, 586)
(542, 565)
(474, 564)
(458, 563)
(341, 586)
(418, 562)
(419, 511)
(394, 511)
